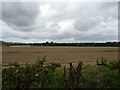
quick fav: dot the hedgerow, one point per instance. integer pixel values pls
(39, 75)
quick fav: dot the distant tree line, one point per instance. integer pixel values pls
(77, 44)
(115, 44)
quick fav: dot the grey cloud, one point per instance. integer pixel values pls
(95, 15)
(19, 14)
(108, 9)
(84, 13)
(106, 5)
(76, 10)
(85, 24)
(97, 37)
(0, 10)
(92, 22)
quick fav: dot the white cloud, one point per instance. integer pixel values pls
(65, 24)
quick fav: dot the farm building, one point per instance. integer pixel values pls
(19, 46)
(15, 45)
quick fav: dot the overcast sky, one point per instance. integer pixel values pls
(59, 22)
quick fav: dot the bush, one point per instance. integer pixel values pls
(101, 77)
(53, 66)
(14, 64)
(74, 77)
(29, 76)
(40, 76)
(102, 61)
(114, 65)
(112, 79)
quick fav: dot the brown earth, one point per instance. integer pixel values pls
(63, 55)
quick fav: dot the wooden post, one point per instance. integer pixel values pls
(71, 66)
(64, 72)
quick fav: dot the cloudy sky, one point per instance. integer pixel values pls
(59, 22)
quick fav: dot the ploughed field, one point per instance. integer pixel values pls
(63, 55)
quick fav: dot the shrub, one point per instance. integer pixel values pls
(40, 76)
(102, 61)
(14, 64)
(40, 61)
(114, 65)
(101, 77)
(74, 77)
(112, 79)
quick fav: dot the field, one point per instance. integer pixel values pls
(41, 74)
(63, 55)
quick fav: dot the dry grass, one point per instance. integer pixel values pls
(62, 55)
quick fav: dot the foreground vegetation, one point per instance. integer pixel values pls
(103, 75)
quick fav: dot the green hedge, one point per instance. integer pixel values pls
(39, 75)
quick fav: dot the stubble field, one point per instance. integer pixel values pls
(63, 55)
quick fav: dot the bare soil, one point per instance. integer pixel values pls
(63, 55)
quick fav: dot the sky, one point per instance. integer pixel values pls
(59, 22)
